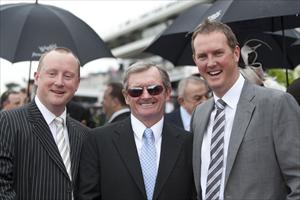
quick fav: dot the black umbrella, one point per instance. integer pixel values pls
(174, 44)
(266, 49)
(244, 17)
(256, 15)
(28, 30)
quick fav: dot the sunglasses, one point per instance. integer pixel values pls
(152, 90)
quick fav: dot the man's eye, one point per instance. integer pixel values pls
(219, 53)
(51, 74)
(201, 57)
(197, 98)
(68, 76)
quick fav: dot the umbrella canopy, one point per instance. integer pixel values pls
(266, 49)
(174, 43)
(243, 16)
(28, 30)
(256, 15)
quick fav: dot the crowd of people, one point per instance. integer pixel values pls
(229, 139)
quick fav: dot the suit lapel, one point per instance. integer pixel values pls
(170, 150)
(125, 144)
(75, 139)
(42, 131)
(200, 124)
(241, 121)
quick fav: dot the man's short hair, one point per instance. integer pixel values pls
(209, 26)
(116, 92)
(143, 66)
(61, 50)
(184, 82)
(5, 96)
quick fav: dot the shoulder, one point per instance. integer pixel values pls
(172, 115)
(75, 124)
(18, 115)
(115, 127)
(180, 133)
(267, 95)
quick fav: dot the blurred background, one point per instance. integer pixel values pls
(129, 29)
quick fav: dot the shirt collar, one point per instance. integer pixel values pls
(138, 128)
(48, 115)
(117, 113)
(232, 96)
(185, 116)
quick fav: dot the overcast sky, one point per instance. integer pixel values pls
(104, 16)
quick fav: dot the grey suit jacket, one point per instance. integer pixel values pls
(263, 160)
(110, 167)
(31, 165)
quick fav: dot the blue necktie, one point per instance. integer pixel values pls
(148, 162)
(216, 154)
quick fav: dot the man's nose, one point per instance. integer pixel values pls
(59, 80)
(211, 61)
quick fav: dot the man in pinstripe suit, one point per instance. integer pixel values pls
(31, 165)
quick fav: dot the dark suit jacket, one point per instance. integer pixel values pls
(263, 161)
(175, 118)
(80, 113)
(110, 167)
(121, 117)
(31, 165)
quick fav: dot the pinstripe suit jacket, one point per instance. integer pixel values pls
(30, 164)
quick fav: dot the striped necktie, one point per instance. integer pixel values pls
(216, 154)
(148, 162)
(62, 145)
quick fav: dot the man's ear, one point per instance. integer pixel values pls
(125, 96)
(194, 58)
(115, 101)
(180, 100)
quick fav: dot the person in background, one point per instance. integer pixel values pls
(192, 91)
(113, 103)
(294, 89)
(80, 113)
(10, 99)
(39, 144)
(142, 157)
(246, 138)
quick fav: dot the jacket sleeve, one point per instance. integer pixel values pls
(287, 142)
(6, 159)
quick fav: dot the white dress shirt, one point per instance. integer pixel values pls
(186, 118)
(231, 99)
(139, 128)
(50, 117)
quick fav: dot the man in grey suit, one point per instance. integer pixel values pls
(252, 149)
(39, 157)
(120, 162)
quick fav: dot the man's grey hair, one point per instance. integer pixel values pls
(144, 66)
(184, 82)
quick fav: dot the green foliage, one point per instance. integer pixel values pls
(280, 75)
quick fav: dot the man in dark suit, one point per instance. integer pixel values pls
(77, 111)
(191, 92)
(113, 103)
(39, 157)
(246, 138)
(113, 161)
